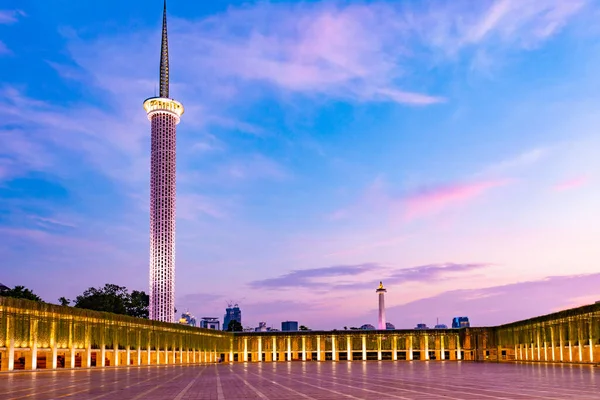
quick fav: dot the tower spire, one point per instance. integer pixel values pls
(164, 57)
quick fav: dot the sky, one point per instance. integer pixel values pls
(446, 148)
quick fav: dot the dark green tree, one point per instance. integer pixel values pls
(303, 328)
(20, 292)
(114, 299)
(138, 304)
(234, 326)
(64, 301)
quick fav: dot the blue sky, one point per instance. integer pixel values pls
(446, 148)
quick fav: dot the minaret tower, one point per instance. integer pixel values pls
(381, 291)
(163, 113)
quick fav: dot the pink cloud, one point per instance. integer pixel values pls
(432, 201)
(573, 183)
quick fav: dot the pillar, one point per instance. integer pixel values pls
(318, 348)
(458, 351)
(245, 349)
(364, 347)
(333, 348)
(442, 349)
(349, 348)
(591, 335)
(303, 348)
(289, 348)
(53, 347)
(230, 351)
(539, 356)
(8, 364)
(71, 346)
(259, 349)
(560, 342)
(378, 347)
(552, 345)
(426, 347)
(274, 349)
(116, 360)
(395, 348)
(128, 355)
(31, 360)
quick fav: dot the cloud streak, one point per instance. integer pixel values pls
(434, 200)
(343, 277)
(570, 184)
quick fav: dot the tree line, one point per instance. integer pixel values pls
(110, 298)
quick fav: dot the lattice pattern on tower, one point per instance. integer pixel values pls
(162, 216)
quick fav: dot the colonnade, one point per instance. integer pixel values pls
(350, 345)
(36, 335)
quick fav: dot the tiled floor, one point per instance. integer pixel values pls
(311, 380)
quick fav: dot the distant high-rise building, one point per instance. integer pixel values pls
(389, 326)
(163, 113)
(289, 326)
(440, 326)
(232, 313)
(262, 327)
(367, 327)
(381, 292)
(210, 323)
(460, 322)
(187, 319)
(421, 326)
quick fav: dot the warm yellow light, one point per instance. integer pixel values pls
(157, 104)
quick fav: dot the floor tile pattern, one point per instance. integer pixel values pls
(310, 380)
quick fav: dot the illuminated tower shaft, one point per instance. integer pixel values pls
(164, 114)
(381, 291)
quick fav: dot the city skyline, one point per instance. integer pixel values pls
(327, 147)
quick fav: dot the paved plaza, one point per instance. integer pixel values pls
(311, 380)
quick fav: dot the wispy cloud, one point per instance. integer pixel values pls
(314, 278)
(344, 277)
(573, 183)
(4, 49)
(433, 272)
(10, 16)
(433, 200)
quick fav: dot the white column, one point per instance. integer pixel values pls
(245, 349)
(458, 352)
(11, 343)
(364, 347)
(303, 348)
(274, 349)
(289, 348)
(318, 348)
(552, 345)
(539, 357)
(395, 348)
(591, 350)
(33, 353)
(426, 338)
(53, 345)
(139, 355)
(349, 347)
(102, 356)
(560, 343)
(259, 349)
(378, 347)
(442, 350)
(333, 349)
(128, 355)
(570, 350)
(116, 353)
(521, 352)
(516, 353)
